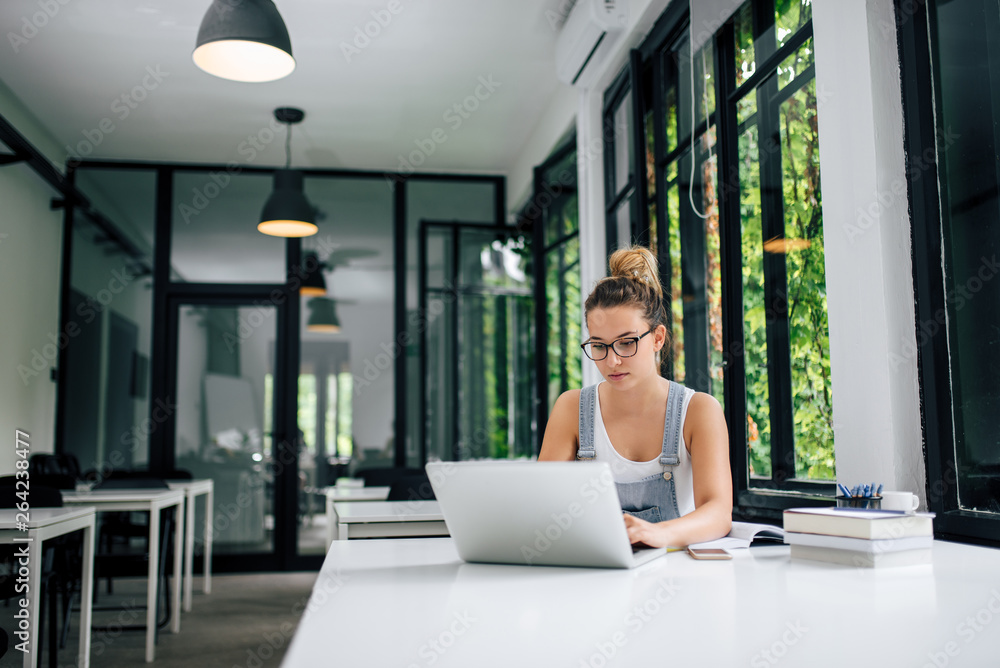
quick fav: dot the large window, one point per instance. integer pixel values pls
(785, 335)
(725, 186)
(553, 211)
(952, 145)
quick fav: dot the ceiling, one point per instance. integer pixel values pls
(114, 79)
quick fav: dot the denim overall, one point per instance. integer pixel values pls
(653, 498)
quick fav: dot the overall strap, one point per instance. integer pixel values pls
(588, 396)
(672, 425)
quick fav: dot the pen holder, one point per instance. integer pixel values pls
(865, 502)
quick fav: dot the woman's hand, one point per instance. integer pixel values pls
(647, 533)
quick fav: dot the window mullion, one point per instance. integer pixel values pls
(775, 277)
(734, 374)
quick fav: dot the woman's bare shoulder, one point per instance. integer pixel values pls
(563, 429)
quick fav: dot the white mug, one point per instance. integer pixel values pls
(904, 501)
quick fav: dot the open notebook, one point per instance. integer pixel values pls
(744, 533)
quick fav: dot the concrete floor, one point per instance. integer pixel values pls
(247, 620)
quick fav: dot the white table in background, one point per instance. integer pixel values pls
(43, 524)
(759, 609)
(388, 519)
(348, 493)
(193, 489)
(151, 501)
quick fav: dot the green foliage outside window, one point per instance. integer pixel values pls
(803, 250)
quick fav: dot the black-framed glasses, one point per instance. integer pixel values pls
(627, 346)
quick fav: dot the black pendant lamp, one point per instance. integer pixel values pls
(323, 316)
(313, 281)
(244, 41)
(287, 212)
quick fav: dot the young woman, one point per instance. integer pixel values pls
(668, 446)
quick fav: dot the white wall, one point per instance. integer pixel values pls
(876, 403)
(192, 361)
(30, 250)
(558, 119)
(590, 154)
(367, 328)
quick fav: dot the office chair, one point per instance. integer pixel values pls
(411, 487)
(384, 477)
(118, 529)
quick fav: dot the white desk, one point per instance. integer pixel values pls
(43, 524)
(151, 501)
(193, 489)
(388, 519)
(414, 603)
(335, 494)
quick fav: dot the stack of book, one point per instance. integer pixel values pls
(864, 538)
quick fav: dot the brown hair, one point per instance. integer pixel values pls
(634, 281)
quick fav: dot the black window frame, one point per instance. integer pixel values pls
(922, 177)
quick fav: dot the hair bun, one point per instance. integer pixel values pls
(637, 263)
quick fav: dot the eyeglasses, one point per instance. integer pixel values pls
(627, 346)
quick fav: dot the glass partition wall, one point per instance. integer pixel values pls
(194, 349)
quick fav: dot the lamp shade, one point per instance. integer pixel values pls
(287, 212)
(313, 281)
(244, 41)
(323, 315)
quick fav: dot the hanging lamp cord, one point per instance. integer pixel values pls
(288, 146)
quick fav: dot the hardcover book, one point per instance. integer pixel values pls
(855, 523)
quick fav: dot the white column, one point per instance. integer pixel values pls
(867, 236)
(590, 175)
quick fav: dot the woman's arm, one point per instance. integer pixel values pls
(713, 485)
(562, 433)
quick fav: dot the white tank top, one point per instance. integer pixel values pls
(626, 470)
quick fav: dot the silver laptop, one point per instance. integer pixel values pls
(535, 513)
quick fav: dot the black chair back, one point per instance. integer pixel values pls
(39, 496)
(411, 488)
(385, 477)
(56, 480)
(137, 482)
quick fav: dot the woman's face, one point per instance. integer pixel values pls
(608, 325)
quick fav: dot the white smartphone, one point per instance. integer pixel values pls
(709, 553)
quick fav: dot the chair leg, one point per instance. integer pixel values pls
(69, 593)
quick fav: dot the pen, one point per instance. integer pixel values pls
(879, 492)
(846, 492)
